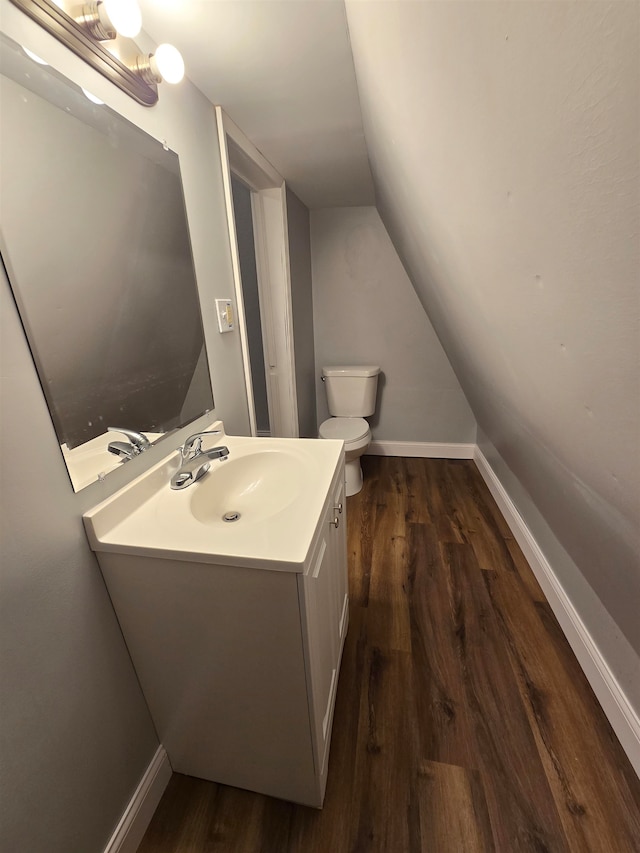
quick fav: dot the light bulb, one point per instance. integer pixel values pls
(168, 63)
(91, 97)
(124, 16)
(34, 56)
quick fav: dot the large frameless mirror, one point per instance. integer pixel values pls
(95, 242)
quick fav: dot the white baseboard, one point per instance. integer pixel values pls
(422, 449)
(137, 816)
(615, 704)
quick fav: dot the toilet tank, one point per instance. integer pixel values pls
(351, 391)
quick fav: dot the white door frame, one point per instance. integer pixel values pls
(269, 213)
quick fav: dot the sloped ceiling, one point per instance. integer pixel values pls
(283, 71)
(504, 142)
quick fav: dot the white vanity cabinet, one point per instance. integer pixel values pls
(239, 664)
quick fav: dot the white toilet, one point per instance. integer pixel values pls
(351, 394)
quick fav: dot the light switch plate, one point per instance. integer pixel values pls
(224, 310)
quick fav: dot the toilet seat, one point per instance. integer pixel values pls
(347, 429)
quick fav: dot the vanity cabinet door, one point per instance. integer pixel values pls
(325, 604)
(321, 630)
(339, 557)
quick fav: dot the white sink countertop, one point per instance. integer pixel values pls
(277, 485)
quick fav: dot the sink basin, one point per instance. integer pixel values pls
(273, 488)
(253, 487)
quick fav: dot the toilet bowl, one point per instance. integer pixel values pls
(356, 434)
(351, 395)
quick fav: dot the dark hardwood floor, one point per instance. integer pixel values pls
(463, 722)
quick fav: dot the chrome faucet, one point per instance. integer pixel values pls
(137, 443)
(195, 461)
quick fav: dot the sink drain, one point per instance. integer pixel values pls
(231, 516)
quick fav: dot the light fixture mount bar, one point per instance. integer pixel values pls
(74, 35)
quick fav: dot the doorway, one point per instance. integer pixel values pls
(251, 297)
(261, 195)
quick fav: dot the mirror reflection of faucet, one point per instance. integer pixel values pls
(195, 461)
(127, 450)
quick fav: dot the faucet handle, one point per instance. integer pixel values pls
(191, 445)
(137, 439)
(123, 449)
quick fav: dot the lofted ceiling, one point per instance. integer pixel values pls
(283, 71)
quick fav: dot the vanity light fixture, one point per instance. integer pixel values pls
(105, 19)
(165, 64)
(100, 33)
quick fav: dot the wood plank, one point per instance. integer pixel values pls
(560, 722)
(442, 501)
(416, 496)
(194, 815)
(386, 771)
(480, 521)
(524, 571)
(521, 808)
(388, 623)
(483, 499)
(361, 521)
(445, 728)
(453, 810)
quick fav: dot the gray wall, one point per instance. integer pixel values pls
(504, 139)
(367, 312)
(299, 236)
(76, 734)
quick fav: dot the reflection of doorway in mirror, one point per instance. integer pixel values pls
(251, 300)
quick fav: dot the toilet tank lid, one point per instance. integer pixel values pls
(353, 370)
